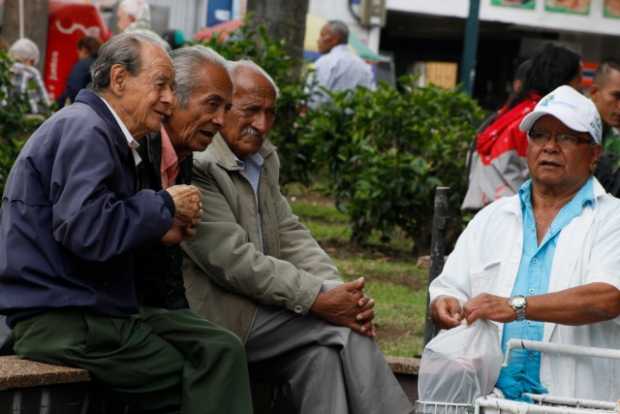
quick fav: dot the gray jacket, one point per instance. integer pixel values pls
(226, 272)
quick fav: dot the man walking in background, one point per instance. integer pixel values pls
(339, 68)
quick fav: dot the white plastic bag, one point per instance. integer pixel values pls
(460, 364)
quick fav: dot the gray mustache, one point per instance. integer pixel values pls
(250, 131)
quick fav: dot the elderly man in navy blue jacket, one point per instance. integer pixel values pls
(71, 219)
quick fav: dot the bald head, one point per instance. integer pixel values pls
(252, 114)
(242, 70)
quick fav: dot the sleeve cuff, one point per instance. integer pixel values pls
(329, 285)
(168, 201)
(311, 289)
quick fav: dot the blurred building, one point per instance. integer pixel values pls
(420, 31)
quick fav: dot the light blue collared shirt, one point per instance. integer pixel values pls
(252, 166)
(522, 375)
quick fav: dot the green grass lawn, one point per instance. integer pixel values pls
(392, 277)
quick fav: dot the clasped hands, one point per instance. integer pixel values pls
(347, 305)
(447, 311)
(188, 211)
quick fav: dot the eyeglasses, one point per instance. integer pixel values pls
(563, 139)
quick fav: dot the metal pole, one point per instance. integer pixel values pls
(374, 35)
(468, 63)
(21, 19)
(564, 349)
(438, 251)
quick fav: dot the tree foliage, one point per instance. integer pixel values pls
(387, 150)
(15, 124)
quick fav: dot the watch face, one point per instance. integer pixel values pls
(518, 302)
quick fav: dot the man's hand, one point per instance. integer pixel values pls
(177, 233)
(446, 312)
(344, 304)
(366, 314)
(186, 203)
(489, 307)
(174, 235)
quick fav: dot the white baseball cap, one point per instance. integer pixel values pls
(572, 108)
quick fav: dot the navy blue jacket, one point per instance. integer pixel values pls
(72, 217)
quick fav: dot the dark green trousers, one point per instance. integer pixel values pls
(158, 361)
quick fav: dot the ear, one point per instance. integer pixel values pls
(118, 79)
(594, 89)
(597, 151)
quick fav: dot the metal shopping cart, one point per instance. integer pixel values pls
(541, 404)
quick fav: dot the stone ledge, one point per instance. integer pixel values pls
(403, 365)
(16, 372)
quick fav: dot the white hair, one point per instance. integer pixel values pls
(248, 64)
(139, 9)
(23, 50)
(154, 37)
(186, 62)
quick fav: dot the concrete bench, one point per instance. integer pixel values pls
(28, 387)
(16, 372)
(32, 387)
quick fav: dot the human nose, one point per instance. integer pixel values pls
(167, 96)
(551, 143)
(218, 119)
(261, 122)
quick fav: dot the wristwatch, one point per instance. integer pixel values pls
(519, 304)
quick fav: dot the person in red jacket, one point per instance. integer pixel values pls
(498, 165)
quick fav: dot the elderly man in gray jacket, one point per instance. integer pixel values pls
(255, 269)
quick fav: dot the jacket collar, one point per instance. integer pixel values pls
(512, 205)
(90, 98)
(226, 159)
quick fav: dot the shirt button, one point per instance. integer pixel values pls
(531, 291)
(298, 309)
(534, 261)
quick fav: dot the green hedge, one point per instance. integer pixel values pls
(387, 150)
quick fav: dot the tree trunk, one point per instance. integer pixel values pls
(284, 20)
(35, 24)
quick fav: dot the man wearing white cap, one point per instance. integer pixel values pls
(544, 264)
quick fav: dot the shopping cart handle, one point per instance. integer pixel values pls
(574, 350)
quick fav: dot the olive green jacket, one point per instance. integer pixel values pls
(226, 271)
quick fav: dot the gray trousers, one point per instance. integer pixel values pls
(323, 368)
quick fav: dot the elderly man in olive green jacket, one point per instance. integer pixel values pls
(255, 269)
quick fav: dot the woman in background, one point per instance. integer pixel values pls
(25, 77)
(79, 78)
(498, 165)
